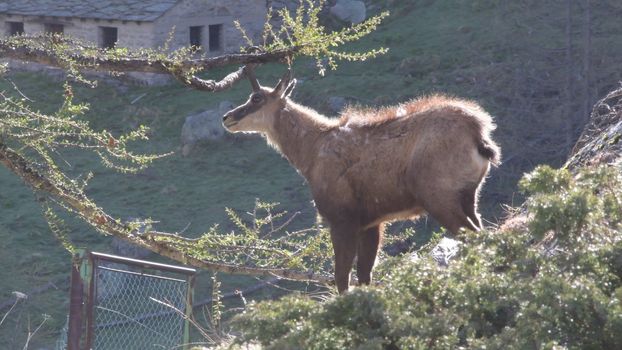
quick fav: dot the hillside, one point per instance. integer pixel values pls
(549, 278)
(523, 61)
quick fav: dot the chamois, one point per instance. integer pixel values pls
(371, 166)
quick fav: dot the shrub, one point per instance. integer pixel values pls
(554, 285)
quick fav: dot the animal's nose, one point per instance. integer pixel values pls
(226, 116)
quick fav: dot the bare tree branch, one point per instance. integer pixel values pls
(212, 85)
(102, 60)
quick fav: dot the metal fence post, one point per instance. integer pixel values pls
(124, 305)
(88, 279)
(189, 301)
(76, 303)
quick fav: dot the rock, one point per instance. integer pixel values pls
(443, 252)
(276, 5)
(446, 249)
(128, 250)
(352, 11)
(204, 126)
(601, 140)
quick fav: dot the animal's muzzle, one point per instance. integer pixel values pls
(228, 120)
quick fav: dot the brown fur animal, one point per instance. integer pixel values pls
(377, 165)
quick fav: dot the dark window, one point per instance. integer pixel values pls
(16, 28)
(215, 37)
(196, 36)
(109, 37)
(54, 28)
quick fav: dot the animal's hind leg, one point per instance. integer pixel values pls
(368, 244)
(468, 200)
(450, 215)
(344, 245)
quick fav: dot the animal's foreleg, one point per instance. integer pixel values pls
(368, 245)
(344, 244)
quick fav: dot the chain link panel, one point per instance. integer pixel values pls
(128, 306)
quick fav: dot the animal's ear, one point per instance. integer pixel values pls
(283, 84)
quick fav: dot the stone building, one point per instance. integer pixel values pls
(139, 23)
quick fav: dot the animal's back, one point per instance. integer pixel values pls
(359, 117)
(394, 156)
(434, 122)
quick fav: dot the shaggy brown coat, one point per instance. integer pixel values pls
(377, 165)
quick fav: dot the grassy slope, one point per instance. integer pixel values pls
(180, 192)
(432, 42)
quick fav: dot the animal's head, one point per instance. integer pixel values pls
(258, 112)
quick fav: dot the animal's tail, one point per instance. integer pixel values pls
(489, 149)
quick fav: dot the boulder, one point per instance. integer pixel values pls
(204, 126)
(601, 140)
(291, 5)
(446, 249)
(127, 249)
(351, 11)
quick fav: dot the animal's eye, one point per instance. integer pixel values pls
(256, 98)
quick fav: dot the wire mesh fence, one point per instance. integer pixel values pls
(61, 342)
(129, 304)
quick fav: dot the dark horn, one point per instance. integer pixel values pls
(250, 74)
(284, 82)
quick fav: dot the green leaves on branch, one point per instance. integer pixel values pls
(40, 139)
(45, 134)
(568, 206)
(261, 240)
(303, 32)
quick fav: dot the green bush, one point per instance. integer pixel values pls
(556, 284)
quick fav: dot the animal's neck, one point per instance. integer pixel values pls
(296, 133)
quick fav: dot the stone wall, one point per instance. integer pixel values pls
(250, 13)
(134, 34)
(187, 13)
(130, 33)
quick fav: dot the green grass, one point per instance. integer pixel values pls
(466, 48)
(181, 193)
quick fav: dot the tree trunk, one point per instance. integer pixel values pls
(587, 62)
(568, 115)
